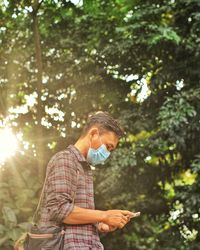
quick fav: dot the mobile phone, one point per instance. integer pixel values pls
(136, 214)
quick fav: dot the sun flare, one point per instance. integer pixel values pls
(8, 144)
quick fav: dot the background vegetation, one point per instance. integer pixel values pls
(137, 59)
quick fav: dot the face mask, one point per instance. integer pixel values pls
(99, 155)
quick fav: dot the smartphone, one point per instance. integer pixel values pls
(136, 214)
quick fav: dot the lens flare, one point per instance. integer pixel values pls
(8, 144)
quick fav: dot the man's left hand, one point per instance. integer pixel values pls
(104, 228)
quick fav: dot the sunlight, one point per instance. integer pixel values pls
(8, 144)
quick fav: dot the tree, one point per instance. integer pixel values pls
(139, 60)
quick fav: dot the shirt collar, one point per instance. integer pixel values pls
(78, 154)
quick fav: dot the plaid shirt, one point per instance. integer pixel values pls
(65, 188)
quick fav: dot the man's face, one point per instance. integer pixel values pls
(109, 138)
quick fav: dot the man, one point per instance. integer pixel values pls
(69, 197)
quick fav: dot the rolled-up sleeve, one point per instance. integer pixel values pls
(62, 182)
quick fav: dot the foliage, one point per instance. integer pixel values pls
(140, 61)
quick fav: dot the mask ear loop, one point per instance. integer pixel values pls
(90, 144)
(100, 138)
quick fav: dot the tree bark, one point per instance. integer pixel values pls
(38, 59)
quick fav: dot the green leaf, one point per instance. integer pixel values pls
(9, 216)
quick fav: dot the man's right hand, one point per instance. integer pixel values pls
(117, 218)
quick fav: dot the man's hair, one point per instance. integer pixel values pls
(105, 122)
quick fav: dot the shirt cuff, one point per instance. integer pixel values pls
(65, 211)
(61, 212)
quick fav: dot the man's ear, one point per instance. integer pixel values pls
(93, 131)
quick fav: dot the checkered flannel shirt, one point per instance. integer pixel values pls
(65, 188)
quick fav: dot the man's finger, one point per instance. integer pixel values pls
(124, 220)
(126, 212)
(121, 225)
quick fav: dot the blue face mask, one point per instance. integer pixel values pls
(97, 156)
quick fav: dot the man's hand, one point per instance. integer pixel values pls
(113, 218)
(104, 228)
(117, 218)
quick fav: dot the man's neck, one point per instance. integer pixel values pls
(82, 146)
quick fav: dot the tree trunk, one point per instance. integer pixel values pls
(38, 59)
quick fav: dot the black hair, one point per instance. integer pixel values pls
(105, 122)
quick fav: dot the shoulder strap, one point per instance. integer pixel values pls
(39, 203)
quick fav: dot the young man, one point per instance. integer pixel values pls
(69, 197)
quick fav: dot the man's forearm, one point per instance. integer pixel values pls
(84, 216)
